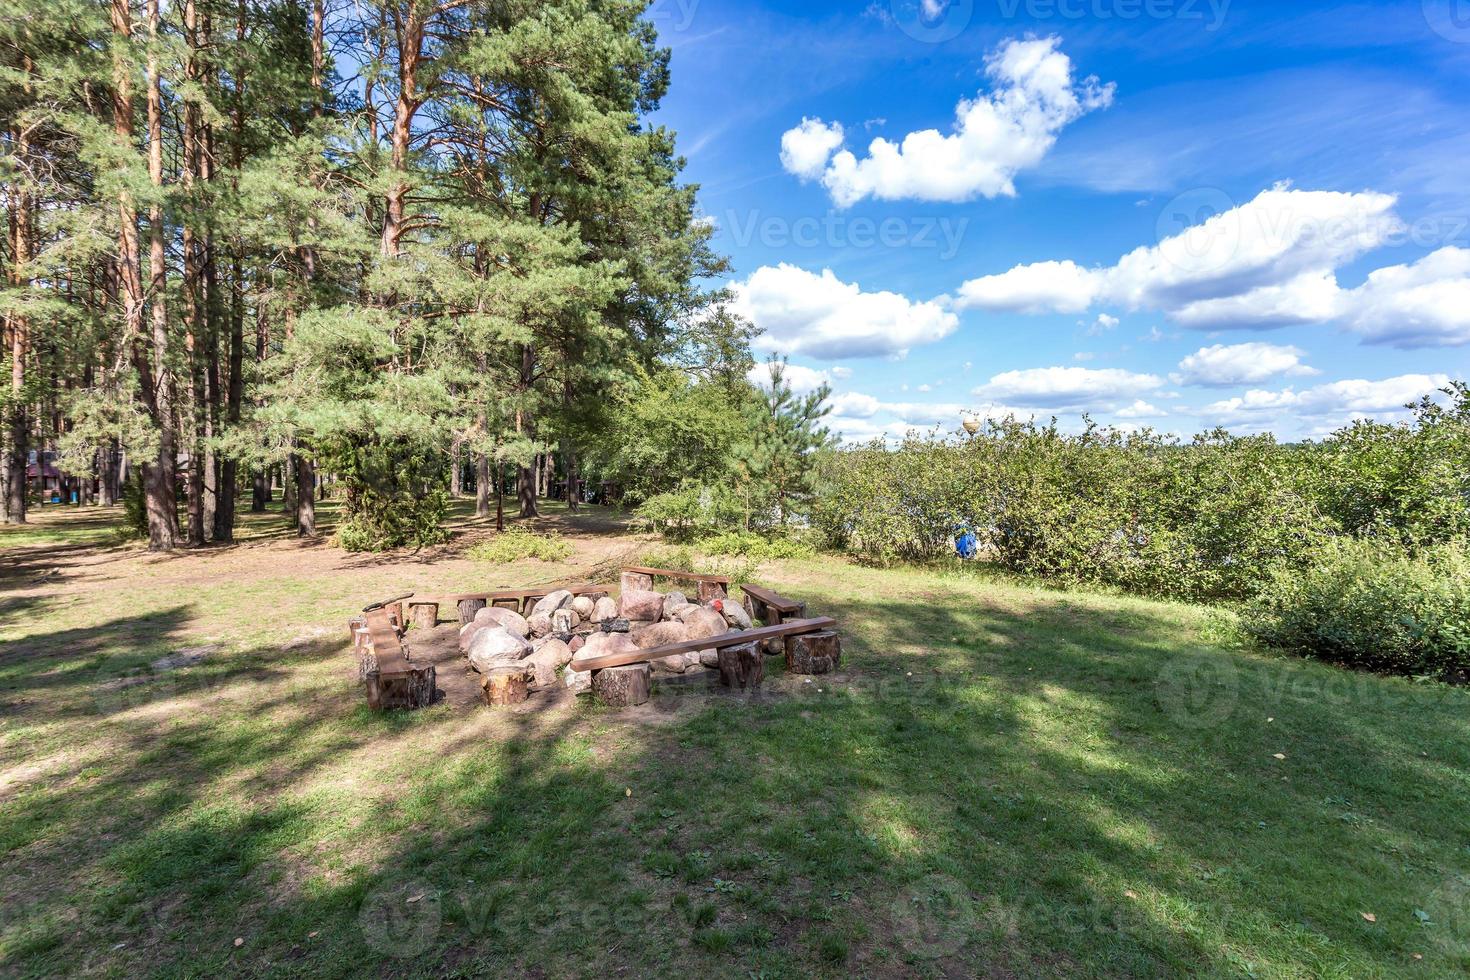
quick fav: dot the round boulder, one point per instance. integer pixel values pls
(493, 643)
(673, 601)
(540, 623)
(733, 612)
(551, 602)
(640, 605)
(509, 618)
(705, 622)
(583, 605)
(604, 608)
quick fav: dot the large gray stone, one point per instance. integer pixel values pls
(467, 633)
(603, 608)
(540, 623)
(496, 643)
(673, 601)
(564, 620)
(551, 656)
(583, 604)
(552, 602)
(734, 613)
(509, 618)
(641, 605)
(706, 622)
(657, 634)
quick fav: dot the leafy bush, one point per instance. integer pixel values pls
(1373, 605)
(516, 543)
(376, 525)
(693, 509)
(754, 546)
(1211, 518)
(135, 508)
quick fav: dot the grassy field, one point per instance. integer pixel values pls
(1003, 781)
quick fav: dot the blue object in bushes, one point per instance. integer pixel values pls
(966, 545)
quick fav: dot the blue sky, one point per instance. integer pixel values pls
(1174, 213)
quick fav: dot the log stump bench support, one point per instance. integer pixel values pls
(507, 685)
(623, 687)
(740, 669)
(813, 653)
(392, 681)
(772, 610)
(710, 587)
(424, 611)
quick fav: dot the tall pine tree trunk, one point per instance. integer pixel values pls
(18, 427)
(305, 497)
(482, 485)
(162, 505)
(526, 474)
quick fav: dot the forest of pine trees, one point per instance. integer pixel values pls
(422, 246)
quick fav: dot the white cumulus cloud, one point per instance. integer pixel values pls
(995, 136)
(818, 314)
(1041, 287)
(1271, 262)
(1332, 404)
(1223, 365)
(806, 148)
(1420, 305)
(1068, 388)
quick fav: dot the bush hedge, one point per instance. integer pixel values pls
(1374, 605)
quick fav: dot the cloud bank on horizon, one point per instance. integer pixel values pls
(1278, 284)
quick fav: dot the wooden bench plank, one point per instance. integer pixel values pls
(675, 573)
(735, 638)
(766, 597)
(387, 647)
(585, 588)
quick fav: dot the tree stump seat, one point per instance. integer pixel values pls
(710, 587)
(383, 667)
(819, 652)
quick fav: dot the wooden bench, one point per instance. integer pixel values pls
(709, 587)
(741, 661)
(770, 608)
(383, 666)
(424, 612)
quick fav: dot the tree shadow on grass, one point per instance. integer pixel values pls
(982, 790)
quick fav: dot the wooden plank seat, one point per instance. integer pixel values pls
(424, 610)
(773, 609)
(716, 642)
(708, 586)
(384, 668)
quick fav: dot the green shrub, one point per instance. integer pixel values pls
(1372, 605)
(755, 547)
(1207, 519)
(693, 509)
(516, 543)
(135, 509)
(376, 525)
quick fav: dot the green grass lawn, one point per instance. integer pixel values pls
(1004, 781)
